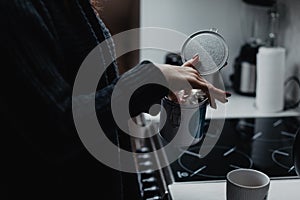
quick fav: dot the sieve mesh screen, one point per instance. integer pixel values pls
(211, 48)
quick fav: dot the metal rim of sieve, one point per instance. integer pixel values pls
(220, 39)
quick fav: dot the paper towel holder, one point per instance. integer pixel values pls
(288, 104)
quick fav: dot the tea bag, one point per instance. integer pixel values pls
(192, 97)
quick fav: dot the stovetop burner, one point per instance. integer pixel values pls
(208, 167)
(264, 144)
(282, 157)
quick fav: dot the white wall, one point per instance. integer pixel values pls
(290, 31)
(234, 19)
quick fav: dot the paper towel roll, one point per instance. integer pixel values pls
(270, 79)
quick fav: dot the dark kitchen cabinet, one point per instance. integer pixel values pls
(260, 2)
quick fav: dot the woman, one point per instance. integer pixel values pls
(43, 44)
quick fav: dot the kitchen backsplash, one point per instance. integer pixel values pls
(236, 21)
(290, 32)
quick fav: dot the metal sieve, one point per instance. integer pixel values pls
(211, 48)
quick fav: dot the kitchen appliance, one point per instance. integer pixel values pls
(173, 59)
(261, 143)
(244, 77)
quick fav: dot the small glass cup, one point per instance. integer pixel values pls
(182, 124)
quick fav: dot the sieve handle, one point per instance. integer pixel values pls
(214, 30)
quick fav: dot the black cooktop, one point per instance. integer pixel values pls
(264, 144)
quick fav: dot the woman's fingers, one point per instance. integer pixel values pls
(192, 62)
(199, 82)
(178, 75)
(213, 93)
(208, 90)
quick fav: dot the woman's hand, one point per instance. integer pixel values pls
(178, 76)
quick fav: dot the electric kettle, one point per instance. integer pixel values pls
(244, 77)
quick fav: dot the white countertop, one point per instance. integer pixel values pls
(240, 106)
(279, 190)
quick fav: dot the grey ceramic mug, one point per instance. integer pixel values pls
(247, 184)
